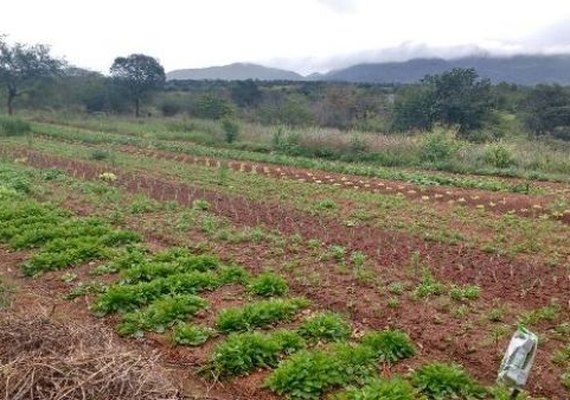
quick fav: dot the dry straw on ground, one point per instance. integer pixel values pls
(43, 360)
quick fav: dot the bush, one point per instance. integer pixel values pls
(498, 155)
(438, 147)
(389, 345)
(240, 353)
(439, 381)
(380, 389)
(231, 130)
(328, 326)
(259, 314)
(10, 126)
(428, 286)
(268, 284)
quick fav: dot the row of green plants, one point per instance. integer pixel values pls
(362, 169)
(58, 239)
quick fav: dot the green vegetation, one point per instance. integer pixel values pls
(160, 314)
(380, 389)
(241, 353)
(438, 381)
(259, 314)
(325, 326)
(307, 374)
(428, 286)
(190, 335)
(389, 345)
(10, 126)
(465, 293)
(268, 284)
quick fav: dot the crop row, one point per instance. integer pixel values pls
(59, 239)
(422, 178)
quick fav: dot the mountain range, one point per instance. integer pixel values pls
(521, 69)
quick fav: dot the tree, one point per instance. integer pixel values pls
(546, 109)
(21, 65)
(457, 97)
(140, 75)
(461, 98)
(245, 93)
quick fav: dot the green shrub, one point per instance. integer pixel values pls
(389, 345)
(190, 335)
(327, 326)
(380, 389)
(99, 155)
(439, 381)
(259, 314)
(498, 155)
(268, 284)
(10, 126)
(438, 147)
(231, 130)
(467, 292)
(160, 314)
(241, 353)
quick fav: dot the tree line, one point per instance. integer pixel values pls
(32, 78)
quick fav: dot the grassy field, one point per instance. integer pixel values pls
(258, 274)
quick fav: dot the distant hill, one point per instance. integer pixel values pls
(234, 72)
(523, 69)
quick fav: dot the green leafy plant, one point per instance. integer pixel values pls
(428, 286)
(308, 374)
(326, 326)
(160, 314)
(258, 314)
(190, 335)
(380, 389)
(464, 293)
(268, 284)
(240, 353)
(389, 345)
(439, 381)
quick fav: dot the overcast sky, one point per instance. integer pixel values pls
(303, 35)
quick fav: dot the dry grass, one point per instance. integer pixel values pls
(43, 360)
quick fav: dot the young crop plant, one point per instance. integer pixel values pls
(190, 334)
(241, 353)
(389, 345)
(308, 374)
(160, 314)
(325, 326)
(534, 317)
(439, 381)
(380, 389)
(123, 298)
(259, 314)
(428, 286)
(396, 288)
(465, 293)
(156, 268)
(268, 284)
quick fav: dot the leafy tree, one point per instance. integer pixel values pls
(140, 75)
(547, 109)
(246, 93)
(21, 65)
(457, 97)
(461, 98)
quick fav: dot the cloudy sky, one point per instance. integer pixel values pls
(303, 35)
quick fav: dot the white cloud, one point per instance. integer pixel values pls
(305, 34)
